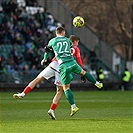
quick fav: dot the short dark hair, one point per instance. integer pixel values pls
(60, 29)
(74, 38)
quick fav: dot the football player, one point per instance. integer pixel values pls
(67, 65)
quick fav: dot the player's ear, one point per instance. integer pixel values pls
(75, 42)
(63, 32)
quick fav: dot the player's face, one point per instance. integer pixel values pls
(76, 42)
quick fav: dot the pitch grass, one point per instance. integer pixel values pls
(100, 112)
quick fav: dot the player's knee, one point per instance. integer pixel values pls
(66, 87)
(83, 72)
(59, 89)
(39, 79)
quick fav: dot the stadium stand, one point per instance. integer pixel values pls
(24, 31)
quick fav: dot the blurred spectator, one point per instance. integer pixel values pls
(26, 69)
(93, 59)
(126, 76)
(11, 65)
(16, 56)
(33, 69)
(85, 61)
(100, 74)
(29, 55)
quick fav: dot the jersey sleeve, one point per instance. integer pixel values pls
(48, 49)
(78, 56)
(50, 44)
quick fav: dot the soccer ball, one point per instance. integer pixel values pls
(78, 22)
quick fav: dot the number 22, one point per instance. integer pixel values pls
(61, 49)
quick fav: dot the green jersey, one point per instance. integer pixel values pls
(61, 46)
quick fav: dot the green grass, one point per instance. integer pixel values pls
(100, 112)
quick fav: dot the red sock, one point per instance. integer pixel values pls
(53, 106)
(27, 89)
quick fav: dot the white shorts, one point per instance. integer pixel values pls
(52, 70)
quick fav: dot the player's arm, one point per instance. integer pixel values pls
(79, 61)
(78, 57)
(46, 54)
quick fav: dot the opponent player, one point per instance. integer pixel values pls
(61, 46)
(50, 71)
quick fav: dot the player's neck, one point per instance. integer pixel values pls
(60, 36)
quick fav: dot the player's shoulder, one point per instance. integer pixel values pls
(75, 47)
(51, 41)
(68, 39)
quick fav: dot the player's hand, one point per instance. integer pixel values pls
(83, 79)
(43, 61)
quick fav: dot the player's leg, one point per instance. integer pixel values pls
(66, 78)
(45, 74)
(70, 97)
(90, 78)
(57, 97)
(29, 87)
(58, 94)
(78, 70)
(55, 102)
